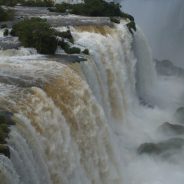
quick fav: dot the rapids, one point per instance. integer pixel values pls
(81, 123)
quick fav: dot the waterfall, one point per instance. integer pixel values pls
(146, 74)
(64, 117)
(80, 123)
(49, 147)
(112, 66)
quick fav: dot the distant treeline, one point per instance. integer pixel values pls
(95, 8)
(6, 14)
(91, 8)
(88, 8)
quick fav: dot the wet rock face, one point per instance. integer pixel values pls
(167, 68)
(164, 148)
(4, 149)
(5, 122)
(57, 19)
(6, 118)
(149, 148)
(180, 115)
(171, 129)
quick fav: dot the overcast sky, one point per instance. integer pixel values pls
(163, 24)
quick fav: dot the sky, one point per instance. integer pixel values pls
(162, 22)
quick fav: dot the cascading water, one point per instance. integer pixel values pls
(82, 123)
(146, 74)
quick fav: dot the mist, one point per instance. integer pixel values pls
(162, 22)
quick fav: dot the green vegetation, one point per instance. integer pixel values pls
(6, 32)
(64, 45)
(99, 8)
(85, 51)
(6, 14)
(36, 33)
(65, 34)
(161, 148)
(74, 50)
(91, 8)
(5, 122)
(67, 48)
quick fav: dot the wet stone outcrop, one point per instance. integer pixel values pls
(167, 68)
(163, 148)
(6, 120)
(180, 115)
(171, 129)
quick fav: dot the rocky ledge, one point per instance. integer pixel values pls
(6, 121)
(56, 19)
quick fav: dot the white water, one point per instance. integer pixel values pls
(145, 70)
(82, 123)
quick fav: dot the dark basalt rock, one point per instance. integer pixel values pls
(167, 68)
(3, 135)
(131, 27)
(4, 149)
(171, 129)
(3, 26)
(180, 115)
(85, 51)
(6, 120)
(115, 20)
(65, 34)
(164, 148)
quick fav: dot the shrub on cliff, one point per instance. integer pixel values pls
(85, 51)
(65, 34)
(67, 48)
(36, 33)
(6, 15)
(4, 149)
(99, 8)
